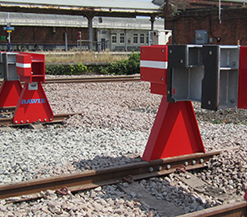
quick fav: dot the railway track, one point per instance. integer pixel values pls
(95, 178)
(127, 173)
(126, 78)
(130, 172)
(4, 122)
(98, 79)
(237, 209)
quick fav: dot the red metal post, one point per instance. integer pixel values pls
(10, 93)
(175, 132)
(33, 105)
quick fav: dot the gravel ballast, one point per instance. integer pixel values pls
(112, 129)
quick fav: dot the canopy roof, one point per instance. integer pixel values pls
(110, 8)
(56, 20)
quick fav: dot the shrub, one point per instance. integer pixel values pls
(123, 67)
(66, 70)
(78, 69)
(57, 70)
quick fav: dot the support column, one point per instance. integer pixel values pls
(90, 15)
(152, 19)
(125, 40)
(90, 32)
(66, 39)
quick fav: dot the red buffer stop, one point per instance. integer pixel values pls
(33, 105)
(175, 131)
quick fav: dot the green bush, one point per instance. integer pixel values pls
(124, 67)
(55, 70)
(78, 69)
(66, 70)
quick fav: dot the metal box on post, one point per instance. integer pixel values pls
(185, 73)
(220, 82)
(201, 37)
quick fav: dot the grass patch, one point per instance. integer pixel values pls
(75, 56)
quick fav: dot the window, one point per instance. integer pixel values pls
(121, 37)
(142, 38)
(147, 39)
(135, 38)
(114, 38)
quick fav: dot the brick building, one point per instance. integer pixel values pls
(226, 25)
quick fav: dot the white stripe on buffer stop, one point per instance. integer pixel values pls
(23, 65)
(153, 64)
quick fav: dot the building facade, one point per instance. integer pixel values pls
(65, 32)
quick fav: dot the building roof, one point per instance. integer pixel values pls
(53, 20)
(99, 7)
(91, 4)
(203, 4)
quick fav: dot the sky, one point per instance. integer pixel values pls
(140, 0)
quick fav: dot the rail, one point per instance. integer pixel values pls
(97, 79)
(237, 209)
(94, 178)
(127, 78)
